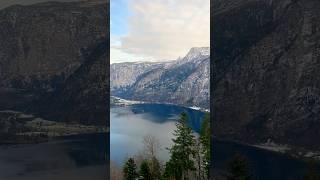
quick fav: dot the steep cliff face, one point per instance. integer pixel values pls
(54, 60)
(84, 95)
(42, 44)
(266, 72)
(195, 88)
(123, 75)
(184, 81)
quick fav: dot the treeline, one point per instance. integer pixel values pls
(189, 156)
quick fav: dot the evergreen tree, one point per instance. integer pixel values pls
(145, 171)
(171, 170)
(238, 168)
(155, 169)
(205, 142)
(130, 170)
(200, 175)
(182, 152)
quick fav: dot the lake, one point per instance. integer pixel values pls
(83, 157)
(130, 124)
(79, 157)
(263, 164)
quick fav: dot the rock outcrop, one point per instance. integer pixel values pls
(54, 60)
(266, 84)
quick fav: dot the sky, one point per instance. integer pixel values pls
(157, 30)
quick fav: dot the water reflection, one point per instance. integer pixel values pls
(263, 164)
(76, 157)
(131, 123)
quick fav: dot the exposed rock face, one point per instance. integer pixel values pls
(123, 75)
(183, 82)
(84, 95)
(42, 44)
(266, 71)
(57, 55)
(194, 90)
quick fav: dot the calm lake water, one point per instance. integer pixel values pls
(263, 164)
(130, 124)
(80, 157)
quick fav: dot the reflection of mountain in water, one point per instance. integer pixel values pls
(263, 164)
(76, 157)
(160, 113)
(130, 124)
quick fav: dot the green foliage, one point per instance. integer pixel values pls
(171, 170)
(238, 168)
(145, 171)
(155, 169)
(205, 142)
(182, 152)
(130, 170)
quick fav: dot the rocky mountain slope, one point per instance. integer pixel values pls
(54, 60)
(266, 66)
(83, 97)
(184, 81)
(123, 75)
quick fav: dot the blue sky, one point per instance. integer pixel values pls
(119, 17)
(157, 30)
(119, 14)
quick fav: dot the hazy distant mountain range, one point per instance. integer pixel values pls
(185, 81)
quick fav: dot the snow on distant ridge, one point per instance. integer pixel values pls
(197, 52)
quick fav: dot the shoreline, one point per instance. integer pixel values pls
(44, 140)
(296, 153)
(126, 102)
(22, 128)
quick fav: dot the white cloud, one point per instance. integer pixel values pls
(117, 55)
(166, 29)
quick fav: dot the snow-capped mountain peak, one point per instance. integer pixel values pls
(197, 52)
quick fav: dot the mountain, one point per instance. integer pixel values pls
(183, 82)
(266, 84)
(84, 95)
(123, 75)
(54, 60)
